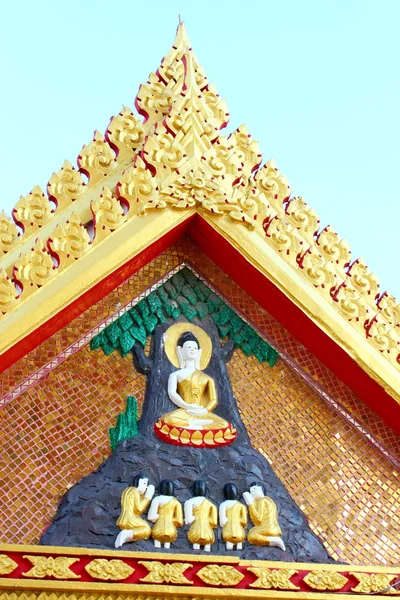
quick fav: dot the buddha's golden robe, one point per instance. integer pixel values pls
(234, 530)
(133, 504)
(170, 517)
(197, 389)
(264, 514)
(205, 521)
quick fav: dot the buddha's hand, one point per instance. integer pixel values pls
(248, 498)
(197, 411)
(150, 492)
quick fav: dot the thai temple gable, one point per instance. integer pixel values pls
(166, 228)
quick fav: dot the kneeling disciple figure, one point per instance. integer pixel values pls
(232, 518)
(134, 502)
(166, 512)
(202, 515)
(264, 514)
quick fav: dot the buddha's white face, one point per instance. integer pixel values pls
(142, 486)
(256, 491)
(190, 351)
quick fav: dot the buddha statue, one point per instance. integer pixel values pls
(194, 392)
(134, 501)
(232, 518)
(201, 514)
(264, 514)
(166, 514)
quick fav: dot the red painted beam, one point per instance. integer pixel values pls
(295, 321)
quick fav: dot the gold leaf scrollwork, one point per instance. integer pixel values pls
(125, 134)
(116, 570)
(284, 238)
(8, 293)
(247, 149)
(165, 573)
(70, 241)
(107, 213)
(196, 189)
(220, 575)
(273, 578)
(33, 211)
(389, 308)
(34, 269)
(7, 564)
(317, 270)
(374, 582)
(97, 159)
(137, 187)
(303, 218)
(65, 186)
(334, 250)
(8, 234)
(364, 281)
(273, 185)
(47, 566)
(325, 580)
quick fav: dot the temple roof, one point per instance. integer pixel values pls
(143, 183)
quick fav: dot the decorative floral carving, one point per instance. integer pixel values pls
(351, 305)
(273, 578)
(47, 566)
(97, 159)
(115, 569)
(33, 211)
(154, 99)
(373, 583)
(137, 187)
(163, 151)
(107, 213)
(165, 573)
(69, 241)
(273, 185)
(325, 580)
(8, 293)
(125, 134)
(389, 309)
(34, 269)
(7, 564)
(317, 270)
(196, 189)
(66, 186)
(220, 575)
(303, 218)
(334, 250)
(283, 237)
(364, 281)
(8, 234)
(247, 149)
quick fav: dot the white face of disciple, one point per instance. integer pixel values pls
(256, 491)
(142, 486)
(189, 351)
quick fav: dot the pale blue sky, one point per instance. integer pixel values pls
(317, 83)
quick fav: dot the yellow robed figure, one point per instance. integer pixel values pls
(264, 514)
(202, 515)
(166, 514)
(134, 502)
(232, 518)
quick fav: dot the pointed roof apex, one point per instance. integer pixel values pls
(181, 38)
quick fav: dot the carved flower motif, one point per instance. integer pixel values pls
(7, 564)
(325, 580)
(116, 570)
(273, 578)
(220, 575)
(165, 573)
(44, 566)
(374, 582)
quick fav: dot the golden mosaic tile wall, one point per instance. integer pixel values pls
(55, 432)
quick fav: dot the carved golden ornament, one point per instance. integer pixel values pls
(246, 149)
(165, 573)
(389, 309)
(222, 160)
(97, 159)
(373, 583)
(383, 336)
(65, 186)
(351, 305)
(47, 566)
(137, 187)
(303, 218)
(317, 270)
(220, 575)
(273, 578)
(284, 238)
(325, 580)
(9, 234)
(34, 269)
(334, 250)
(107, 213)
(125, 135)
(172, 335)
(104, 569)
(214, 102)
(33, 211)
(273, 185)
(154, 99)
(7, 564)
(195, 189)
(69, 241)
(164, 152)
(8, 293)
(364, 281)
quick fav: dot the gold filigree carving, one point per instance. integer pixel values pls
(8, 293)
(65, 186)
(373, 583)
(196, 189)
(165, 573)
(272, 185)
(7, 564)
(364, 281)
(389, 309)
(317, 270)
(325, 580)
(220, 575)
(137, 188)
(9, 234)
(352, 306)
(278, 579)
(34, 269)
(284, 238)
(303, 218)
(97, 159)
(47, 566)
(104, 569)
(69, 242)
(33, 211)
(164, 152)
(108, 215)
(334, 250)
(125, 135)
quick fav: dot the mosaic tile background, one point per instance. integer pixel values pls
(56, 430)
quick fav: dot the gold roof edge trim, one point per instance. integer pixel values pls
(162, 170)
